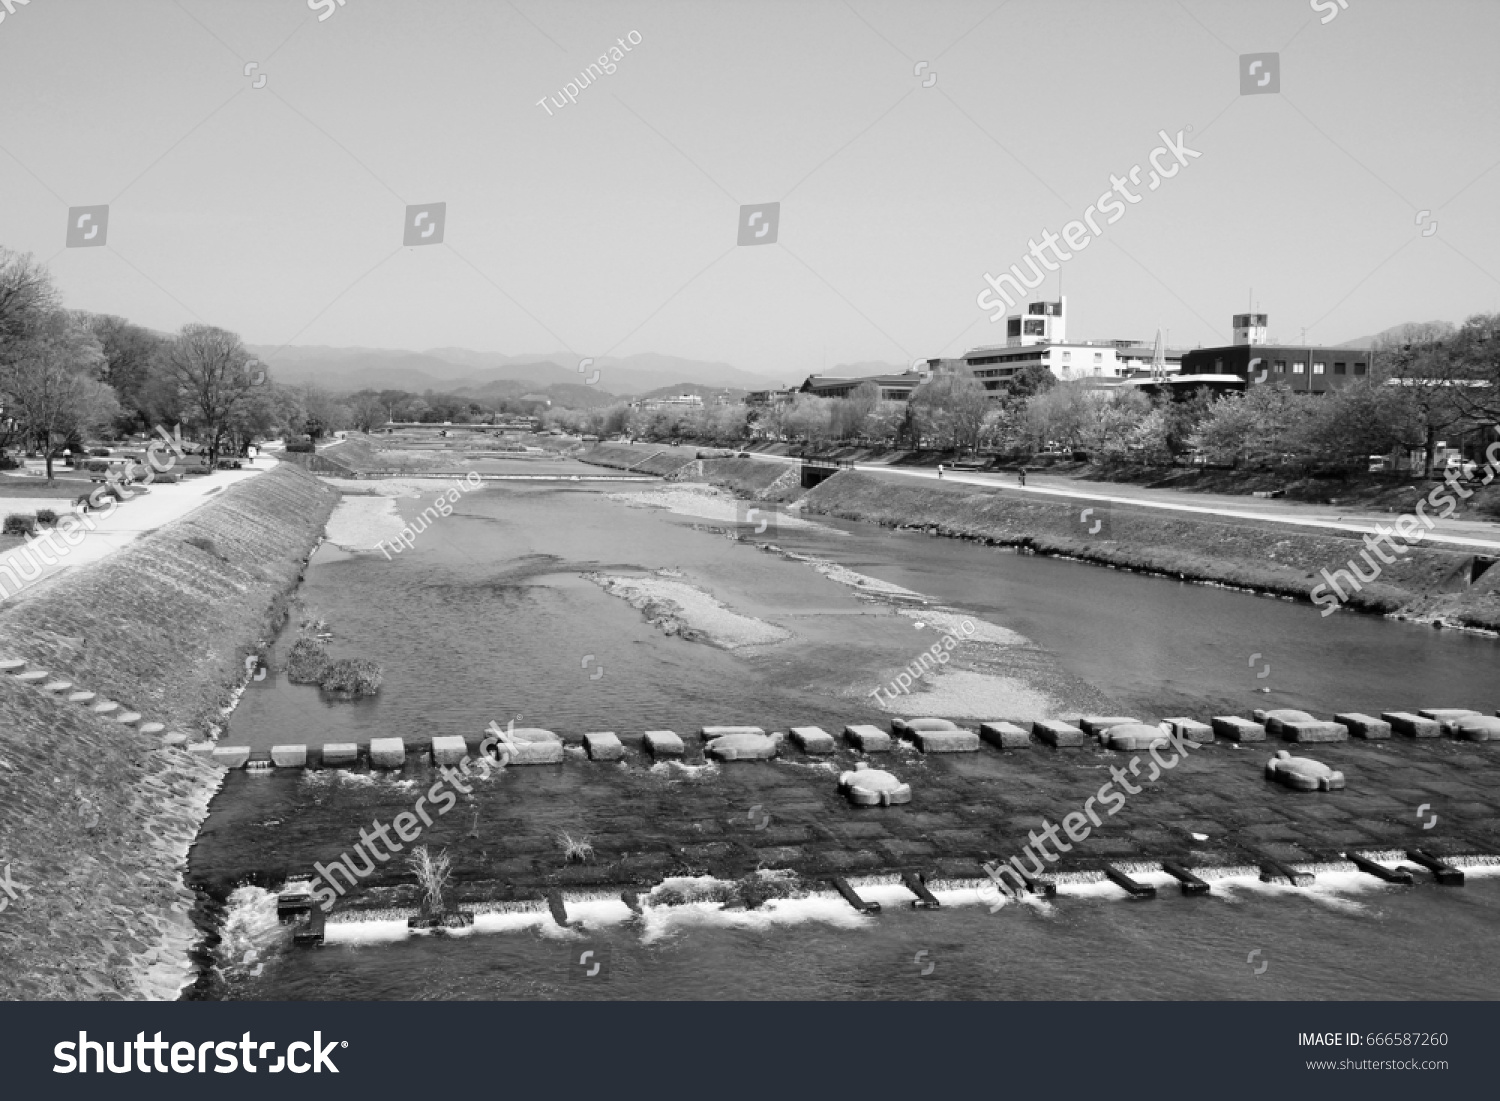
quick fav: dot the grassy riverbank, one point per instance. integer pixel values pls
(96, 817)
(1266, 557)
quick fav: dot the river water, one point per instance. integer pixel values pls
(488, 619)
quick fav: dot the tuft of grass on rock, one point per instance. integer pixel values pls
(575, 850)
(352, 677)
(308, 662)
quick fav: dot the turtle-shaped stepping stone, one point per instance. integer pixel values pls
(1478, 728)
(873, 787)
(1303, 773)
(743, 745)
(1133, 736)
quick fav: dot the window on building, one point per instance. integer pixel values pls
(1280, 367)
(1317, 368)
(1298, 367)
(1098, 357)
(1359, 368)
(1037, 327)
(1341, 368)
(1013, 326)
(1067, 355)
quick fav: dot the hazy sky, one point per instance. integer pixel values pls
(610, 225)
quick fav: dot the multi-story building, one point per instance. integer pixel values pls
(897, 387)
(1306, 367)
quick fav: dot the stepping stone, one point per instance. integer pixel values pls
(57, 685)
(1134, 736)
(1479, 728)
(908, 727)
(946, 741)
(10, 665)
(339, 753)
(663, 743)
(1363, 726)
(709, 733)
(1291, 725)
(80, 697)
(872, 787)
(742, 746)
(387, 753)
(289, 756)
(202, 749)
(534, 746)
(1303, 773)
(231, 756)
(152, 728)
(33, 676)
(603, 746)
(127, 718)
(1412, 726)
(1004, 735)
(1055, 732)
(1095, 725)
(105, 707)
(868, 739)
(813, 739)
(176, 737)
(1237, 729)
(1190, 730)
(1448, 716)
(449, 750)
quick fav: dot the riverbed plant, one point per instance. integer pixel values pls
(308, 661)
(575, 850)
(351, 677)
(433, 873)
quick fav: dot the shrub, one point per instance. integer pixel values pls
(99, 452)
(307, 662)
(46, 517)
(167, 479)
(300, 446)
(19, 523)
(352, 677)
(7, 463)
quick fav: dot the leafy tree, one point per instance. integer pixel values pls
(49, 379)
(208, 367)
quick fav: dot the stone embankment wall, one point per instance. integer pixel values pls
(96, 815)
(1264, 556)
(765, 481)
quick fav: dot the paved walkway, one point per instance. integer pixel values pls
(132, 519)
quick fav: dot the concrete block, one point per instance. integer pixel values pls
(869, 739)
(1095, 725)
(1055, 732)
(231, 756)
(663, 743)
(813, 739)
(1412, 726)
(202, 749)
(946, 741)
(339, 753)
(1133, 736)
(152, 728)
(80, 697)
(603, 746)
(175, 737)
(387, 753)
(1004, 735)
(1363, 726)
(289, 756)
(449, 750)
(104, 707)
(1314, 731)
(742, 746)
(1237, 729)
(1278, 720)
(1448, 716)
(57, 686)
(1190, 729)
(1477, 728)
(33, 676)
(535, 746)
(709, 733)
(906, 728)
(10, 665)
(127, 718)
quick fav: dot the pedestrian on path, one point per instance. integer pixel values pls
(1021, 474)
(940, 472)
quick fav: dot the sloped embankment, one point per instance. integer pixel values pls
(96, 817)
(638, 460)
(1273, 558)
(756, 478)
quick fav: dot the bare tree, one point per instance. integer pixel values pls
(26, 296)
(48, 379)
(209, 368)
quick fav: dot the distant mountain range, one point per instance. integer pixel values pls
(492, 374)
(1397, 334)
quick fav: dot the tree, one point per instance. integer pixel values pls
(951, 408)
(49, 379)
(208, 367)
(1447, 375)
(367, 411)
(27, 296)
(851, 415)
(130, 354)
(1057, 416)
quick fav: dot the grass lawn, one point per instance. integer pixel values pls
(69, 486)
